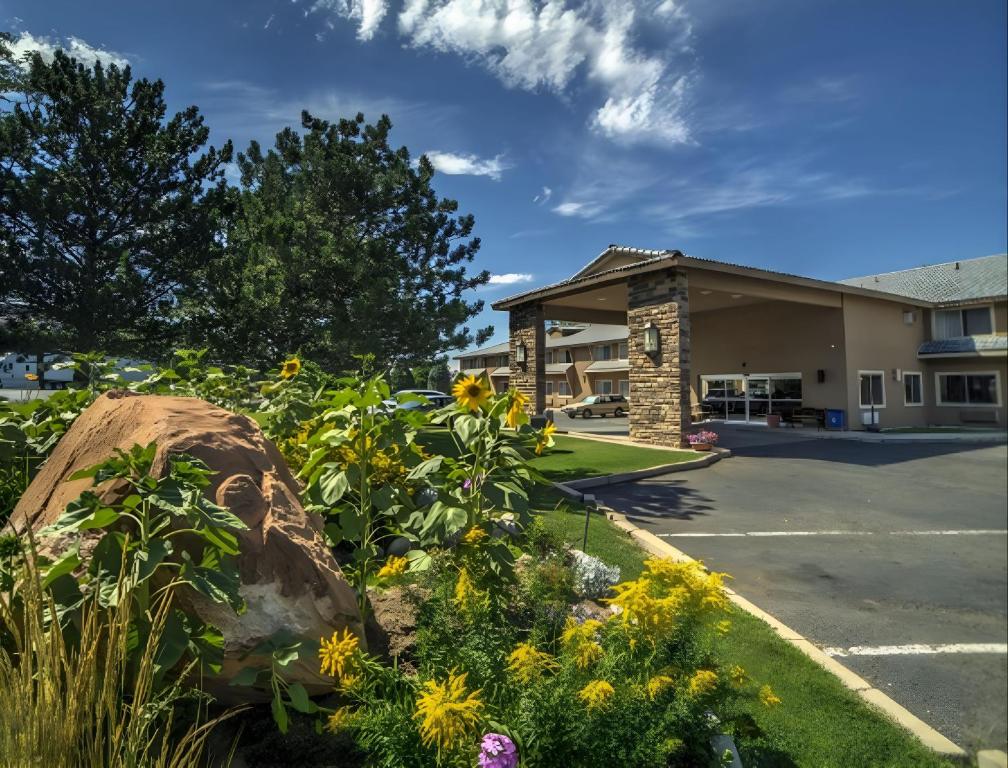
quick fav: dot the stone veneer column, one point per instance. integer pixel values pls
(528, 325)
(659, 384)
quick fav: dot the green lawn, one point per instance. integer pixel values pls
(574, 458)
(819, 724)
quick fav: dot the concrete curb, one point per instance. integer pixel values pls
(874, 697)
(715, 454)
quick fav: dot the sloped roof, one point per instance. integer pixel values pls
(600, 366)
(593, 334)
(494, 349)
(989, 343)
(955, 281)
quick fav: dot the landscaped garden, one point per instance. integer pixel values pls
(360, 598)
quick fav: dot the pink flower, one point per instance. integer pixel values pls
(497, 751)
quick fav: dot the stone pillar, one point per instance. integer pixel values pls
(659, 383)
(528, 326)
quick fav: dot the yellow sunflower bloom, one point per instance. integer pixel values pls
(596, 694)
(470, 393)
(516, 411)
(338, 653)
(545, 438)
(290, 368)
(446, 713)
(394, 566)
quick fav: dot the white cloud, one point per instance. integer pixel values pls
(546, 44)
(584, 210)
(468, 165)
(367, 13)
(544, 196)
(72, 46)
(510, 278)
(269, 21)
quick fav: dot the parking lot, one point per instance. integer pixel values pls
(890, 556)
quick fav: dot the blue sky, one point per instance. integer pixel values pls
(829, 139)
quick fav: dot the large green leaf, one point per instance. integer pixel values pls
(425, 468)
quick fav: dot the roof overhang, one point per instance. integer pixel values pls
(653, 261)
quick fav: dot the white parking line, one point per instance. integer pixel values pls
(917, 649)
(965, 532)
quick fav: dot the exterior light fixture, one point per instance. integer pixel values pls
(521, 352)
(651, 340)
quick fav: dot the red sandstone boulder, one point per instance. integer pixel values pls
(289, 578)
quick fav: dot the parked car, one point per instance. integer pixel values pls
(598, 405)
(434, 399)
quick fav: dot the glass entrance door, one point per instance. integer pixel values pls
(757, 398)
(749, 398)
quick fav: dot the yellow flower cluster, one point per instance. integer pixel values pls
(339, 654)
(339, 720)
(738, 676)
(446, 713)
(470, 393)
(768, 698)
(703, 682)
(657, 684)
(468, 598)
(384, 465)
(666, 592)
(474, 536)
(527, 663)
(596, 694)
(394, 566)
(579, 640)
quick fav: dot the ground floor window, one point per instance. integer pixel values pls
(967, 388)
(604, 387)
(749, 397)
(624, 387)
(549, 387)
(913, 393)
(563, 389)
(872, 388)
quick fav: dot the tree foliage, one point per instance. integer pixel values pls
(106, 207)
(341, 248)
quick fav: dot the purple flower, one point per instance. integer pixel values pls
(498, 751)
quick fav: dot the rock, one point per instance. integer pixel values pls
(289, 578)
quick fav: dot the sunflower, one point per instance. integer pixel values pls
(516, 411)
(545, 439)
(290, 368)
(470, 393)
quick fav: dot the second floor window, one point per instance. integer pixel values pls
(603, 352)
(972, 321)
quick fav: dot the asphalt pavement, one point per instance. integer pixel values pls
(893, 557)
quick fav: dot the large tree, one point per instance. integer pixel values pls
(106, 208)
(341, 248)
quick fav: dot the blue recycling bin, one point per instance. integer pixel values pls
(835, 418)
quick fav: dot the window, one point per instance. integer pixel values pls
(967, 388)
(623, 351)
(624, 387)
(603, 352)
(952, 323)
(563, 389)
(913, 393)
(872, 388)
(605, 386)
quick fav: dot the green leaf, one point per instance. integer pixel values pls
(85, 513)
(299, 698)
(332, 484)
(419, 560)
(246, 677)
(172, 644)
(66, 564)
(148, 560)
(466, 427)
(425, 468)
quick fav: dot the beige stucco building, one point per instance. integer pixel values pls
(688, 339)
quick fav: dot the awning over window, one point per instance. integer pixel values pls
(504, 371)
(555, 368)
(605, 366)
(477, 372)
(963, 346)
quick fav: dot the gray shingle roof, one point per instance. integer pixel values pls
(955, 281)
(964, 345)
(593, 334)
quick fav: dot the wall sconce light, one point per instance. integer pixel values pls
(521, 353)
(651, 340)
